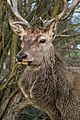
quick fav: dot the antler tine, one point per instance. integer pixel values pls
(73, 5)
(68, 8)
(48, 22)
(16, 13)
(64, 10)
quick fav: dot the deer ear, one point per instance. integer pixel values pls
(51, 28)
(16, 27)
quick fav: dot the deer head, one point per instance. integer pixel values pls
(37, 43)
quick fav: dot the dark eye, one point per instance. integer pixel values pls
(42, 40)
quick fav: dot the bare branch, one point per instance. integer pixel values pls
(70, 28)
(68, 36)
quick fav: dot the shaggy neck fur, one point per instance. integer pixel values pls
(50, 87)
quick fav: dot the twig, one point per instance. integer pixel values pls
(67, 36)
(70, 28)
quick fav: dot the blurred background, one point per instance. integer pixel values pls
(67, 44)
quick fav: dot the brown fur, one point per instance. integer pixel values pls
(47, 82)
(53, 87)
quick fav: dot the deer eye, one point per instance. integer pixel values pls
(42, 40)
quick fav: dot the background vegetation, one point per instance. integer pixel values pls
(12, 103)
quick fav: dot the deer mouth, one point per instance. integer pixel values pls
(28, 63)
(25, 62)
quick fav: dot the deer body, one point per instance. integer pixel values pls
(53, 87)
(47, 82)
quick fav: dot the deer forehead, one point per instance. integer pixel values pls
(32, 42)
(32, 39)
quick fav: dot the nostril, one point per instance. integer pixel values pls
(24, 56)
(19, 58)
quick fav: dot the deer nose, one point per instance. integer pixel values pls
(20, 57)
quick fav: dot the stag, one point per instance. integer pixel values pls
(47, 82)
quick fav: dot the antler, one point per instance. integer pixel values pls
(68, 8)
(65, 10)
(16, 13)
(74, 4)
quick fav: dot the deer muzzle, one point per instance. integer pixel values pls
(21, 57)
(24, 59)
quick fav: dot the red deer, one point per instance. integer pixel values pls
(47, 82)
